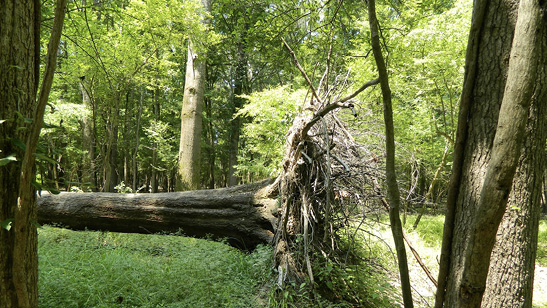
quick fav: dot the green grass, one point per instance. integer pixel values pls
(101, 269)
(430, 230)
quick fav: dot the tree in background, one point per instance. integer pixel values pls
(192, 108)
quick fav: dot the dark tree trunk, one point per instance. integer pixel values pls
(240, 83)
(391, 176)
(244, 215)
(511, 273)
(474, 209)
(19, 60)
(19, 74)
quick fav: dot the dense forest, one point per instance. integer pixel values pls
(327, 111)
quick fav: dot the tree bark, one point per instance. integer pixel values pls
(244, 215)
(511, 272)
(19, 67)
(492, 76)
(89, 175)
(191, 118)
(391, 176)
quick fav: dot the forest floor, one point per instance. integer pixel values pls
(427, 239)
(106, 269)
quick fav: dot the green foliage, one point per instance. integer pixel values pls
(271, 113)
(101, 269)
(7, 224)
(430, 228)
(123, 189)
(8, 159)
(542, 243)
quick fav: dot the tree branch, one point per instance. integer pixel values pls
(301, 70)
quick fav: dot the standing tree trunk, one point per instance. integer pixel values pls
(111, 155)
(191, 120)
(88, 139)
(137, 142)
(154, 176)
(19, 73)
(511, 274)
(240, 81)
(485, 156)
(391, 177)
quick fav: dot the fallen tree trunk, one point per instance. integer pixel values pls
(244, 215)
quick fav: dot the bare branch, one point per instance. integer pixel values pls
(301, 70)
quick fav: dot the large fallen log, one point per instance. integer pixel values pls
(244, 215)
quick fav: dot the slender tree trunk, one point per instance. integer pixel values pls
(154, 176)
(429, 195)
(88, 140)
(191, 117)
(19, 73)
(137, 141)
(391, 177)
(191, 122)
(111, 155)
(211, 157)
(235, 127)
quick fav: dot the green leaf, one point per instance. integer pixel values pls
(20, 144)
(46, 158)
(6, 224)
(53, 191)
(6, 160)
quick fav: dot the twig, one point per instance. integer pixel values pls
(301, 70)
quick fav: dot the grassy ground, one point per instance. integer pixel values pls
(427, 240)
(102, 269)
(96, 269)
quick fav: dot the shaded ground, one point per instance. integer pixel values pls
(427, 242)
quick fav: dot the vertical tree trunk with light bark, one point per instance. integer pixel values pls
(191, 122)
(88, 140)
(188, 174)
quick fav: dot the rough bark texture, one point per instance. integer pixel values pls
(19, 66)
(486, 66)
(487, 62)
(244, 215)
(191, 120)
(505, 153)
(511, 273)
(19, 59)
